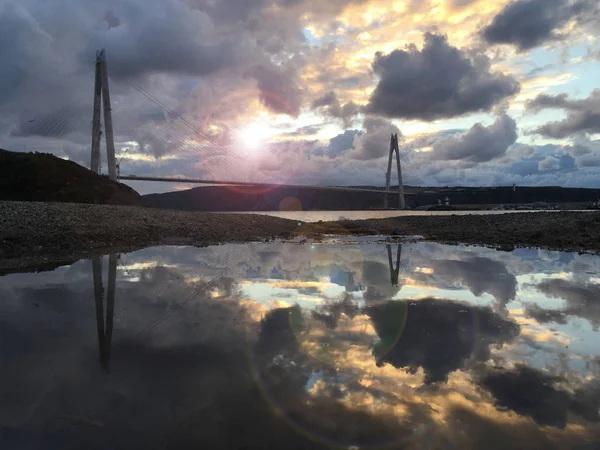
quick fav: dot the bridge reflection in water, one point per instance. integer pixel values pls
(105, 299)
(104, 322)
(283, 337)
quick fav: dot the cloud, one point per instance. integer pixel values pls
(230, 11)
(308, 130)
(161, 37)
(169, 47)
(330, 105)
(583, 115)
(153, 145)
(341, 143)
(376, 278)
(583, 300)
(374, 143)
(589, 161)
(529, 392)
(549, 163)
(529, 23)
(480, 275)
(436, 335)
(277, 89)
(20, 37)
(479, 144)
(582, 146)
(273, 352)
(220, 63)
(436, 82)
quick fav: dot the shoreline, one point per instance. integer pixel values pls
(44, 233)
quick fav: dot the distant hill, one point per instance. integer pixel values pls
(44, 177)
(224, 198)
(227, 198)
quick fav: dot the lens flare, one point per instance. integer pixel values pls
(253, 136)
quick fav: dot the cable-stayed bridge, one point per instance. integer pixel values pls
(126, 115)
(252, 184)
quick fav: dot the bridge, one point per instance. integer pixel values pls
(102, 103)
(253, 184)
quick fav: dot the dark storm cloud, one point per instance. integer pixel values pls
(277, 89)
(436, 82)
(583, 300)
(438, 335)
(236, 11)
(40, 88)
(530, 392)
(230, 11)
(19, 36)
(331, 106)
(161, 37)
(54, 124)
(583, 116)
(479, 144)
(530, 23)
(168, 39)
(53, 55)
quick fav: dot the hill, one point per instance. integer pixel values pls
(44, 177)
(226, 198)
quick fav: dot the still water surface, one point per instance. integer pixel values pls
(315, 216)
(287, 346)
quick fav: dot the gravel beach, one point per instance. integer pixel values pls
(36, 231)
(559, 230)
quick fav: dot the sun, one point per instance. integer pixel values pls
(253, 135)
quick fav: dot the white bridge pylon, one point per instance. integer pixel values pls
(394, 149)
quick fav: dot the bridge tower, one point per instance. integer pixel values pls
(102, 99)
(394, 149)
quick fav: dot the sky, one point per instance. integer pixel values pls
(480, 92)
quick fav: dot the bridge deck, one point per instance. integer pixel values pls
(250, 184)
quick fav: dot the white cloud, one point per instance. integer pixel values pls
(549, 163)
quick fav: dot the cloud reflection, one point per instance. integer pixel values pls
(202, 352)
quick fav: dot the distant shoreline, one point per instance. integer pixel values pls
(46, 232)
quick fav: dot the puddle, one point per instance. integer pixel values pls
(277, 345)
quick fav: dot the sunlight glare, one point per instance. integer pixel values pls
(254, 135)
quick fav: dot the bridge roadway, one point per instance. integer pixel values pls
(262, 185)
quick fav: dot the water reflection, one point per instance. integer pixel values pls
(104, 323)
(394, 269)
(304, 346)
